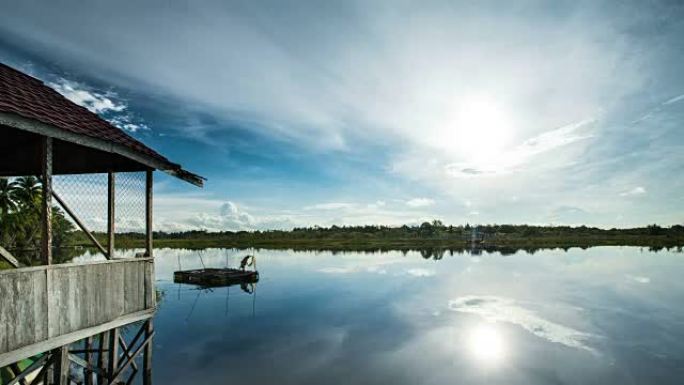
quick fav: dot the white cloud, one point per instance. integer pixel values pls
(420, 202)
(105, 104)
(94, 101)
(636, 191)
(331, 206)
(377, 205)
(226, 216)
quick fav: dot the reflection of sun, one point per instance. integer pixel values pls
(486, 344)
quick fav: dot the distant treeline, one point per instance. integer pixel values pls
(428, 234)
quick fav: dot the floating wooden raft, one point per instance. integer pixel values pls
(213, 277)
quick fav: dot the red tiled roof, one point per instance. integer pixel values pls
(30, 98)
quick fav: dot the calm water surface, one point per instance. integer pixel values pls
(605, 315)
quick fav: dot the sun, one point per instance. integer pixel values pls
(479, 129)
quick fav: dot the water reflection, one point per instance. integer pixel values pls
(601, 315)
(487, 345)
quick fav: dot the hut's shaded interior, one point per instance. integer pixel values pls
(20, 154)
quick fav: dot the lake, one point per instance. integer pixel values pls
(604, 315)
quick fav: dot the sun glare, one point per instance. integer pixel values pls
(480, 130)
(486, 344)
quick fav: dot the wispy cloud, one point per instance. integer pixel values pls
(512, 160)
(674, 100)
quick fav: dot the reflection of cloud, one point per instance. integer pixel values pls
(636, 191)
(418, 272)
(639, 279)
(420, 202)
(337, 270)
(377, 265)
(500, 309)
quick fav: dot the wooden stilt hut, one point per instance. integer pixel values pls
(45, 309)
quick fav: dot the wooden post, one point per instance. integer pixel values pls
(113, 354)
(148, 212)
(102, 357)
(61, 362)
(46, 217)
(111, 215)
(147, 358)
(88, 374)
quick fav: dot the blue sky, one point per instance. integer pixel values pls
(357, 112)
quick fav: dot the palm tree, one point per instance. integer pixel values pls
(28, 192)
(7, 196)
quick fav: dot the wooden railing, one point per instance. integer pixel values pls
(45, 307)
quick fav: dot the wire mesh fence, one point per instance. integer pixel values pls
(130, 202)
(80, 204)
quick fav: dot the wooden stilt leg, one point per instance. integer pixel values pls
(113, 354)
(102, 356)
(61, 366)
(87, 374)
(147, 358)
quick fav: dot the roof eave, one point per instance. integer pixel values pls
(40, 128)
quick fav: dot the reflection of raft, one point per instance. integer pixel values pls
(212, 277)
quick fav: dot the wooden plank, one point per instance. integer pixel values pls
(23, 298)
(7, 256)
(150, 289)
(57, 300)
(134, 287)
(111, 213)
(43, 346)
(46, 212)
(69, 265)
